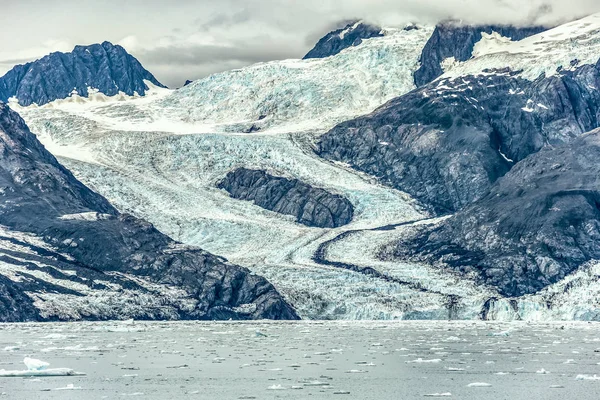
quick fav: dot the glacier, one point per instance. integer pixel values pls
(280, 96)
(160, 158)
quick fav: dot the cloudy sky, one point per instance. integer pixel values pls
(188, 39)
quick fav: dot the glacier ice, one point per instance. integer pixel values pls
(159, 158)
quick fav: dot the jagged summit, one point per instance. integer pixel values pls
(350, 35)
(452, 40)
(105, 67)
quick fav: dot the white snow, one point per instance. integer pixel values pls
(349, 29)
(291, 95)
(540, 54)
(89, 216)
(491, 43)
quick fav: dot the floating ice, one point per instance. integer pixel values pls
(542, 372)
(40, 373)
(587, 378)
(479, 385)
(70, 386)
(503, 333)
(35, 365)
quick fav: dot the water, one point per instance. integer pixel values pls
(305, 360)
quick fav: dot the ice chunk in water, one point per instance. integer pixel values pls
(35, 365)
(478, 385)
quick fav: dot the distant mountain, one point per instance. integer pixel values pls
(105, 67)
(67, 254)
(340, 39)
(451, 40)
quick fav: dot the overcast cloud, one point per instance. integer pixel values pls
(189, 39)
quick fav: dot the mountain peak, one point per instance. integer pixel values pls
(455, 39)
(352, 34)
(106, 67)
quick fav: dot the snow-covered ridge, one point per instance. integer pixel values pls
(570, 45)
(279, 96)
(304, 94)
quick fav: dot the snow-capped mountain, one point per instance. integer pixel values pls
(103, 68)
(451, 43)
(350, 35)
(295, 95)
(67, 254)
(181, 159)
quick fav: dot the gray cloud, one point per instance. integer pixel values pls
(189, 39)
(207, 54)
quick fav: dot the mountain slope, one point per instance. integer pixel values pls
(537, 224)
(103, 67)
(334, 42)
(447, 142)
(147, 157)
(456, 42)
(71, 253)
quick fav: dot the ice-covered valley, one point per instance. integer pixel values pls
(160, 158)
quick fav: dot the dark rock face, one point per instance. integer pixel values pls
(537, 224)
(450, 40)
(79, 231)
(105, 67)
(311, 206)
(448, 142)
(338, 40)
(187, 82)
(14, 304)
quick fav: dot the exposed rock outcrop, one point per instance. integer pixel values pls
(105, 67)
(352, 34)
(310, 206)
(449, 141)
(538, 224)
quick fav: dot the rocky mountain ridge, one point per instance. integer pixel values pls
(104, 67)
